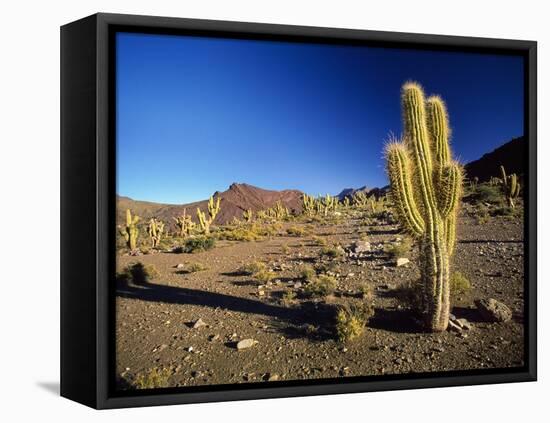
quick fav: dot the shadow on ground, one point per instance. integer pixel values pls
(50, 387)
(289, 320)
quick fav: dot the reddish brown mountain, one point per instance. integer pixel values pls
(233, 202)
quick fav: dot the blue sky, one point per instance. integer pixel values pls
(195, 114)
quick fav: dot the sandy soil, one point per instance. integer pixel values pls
(154, 321)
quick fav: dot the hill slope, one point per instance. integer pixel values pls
(234, 201)
(511, 155)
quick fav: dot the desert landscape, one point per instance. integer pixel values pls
(254, 285)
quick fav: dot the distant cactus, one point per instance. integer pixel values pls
(329, 204)
(360, 199)
(184, 224)
(213, 210)
(510, 187)
(473, 182)
(494, 181)
(426, 189)
(308, 205)
(155, 229)
(130, 231)
(248, 215)
(346, 203)
(377, 205)
(280, 211)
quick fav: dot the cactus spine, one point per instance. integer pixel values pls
(155, 229)
(426, 186)
(510, 187)
(213, 210)
(130, 231)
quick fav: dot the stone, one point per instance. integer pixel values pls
(493, 310)
(464, 324)
(297, 285)
(361, 246)
(199, 323)
(402, 261)
(246, 343)
(272, 377)
(180, 266)
(453, 327)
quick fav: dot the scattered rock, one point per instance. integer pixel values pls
(198, 324)
(213, 338)
(180, 266)
(297, 285)
(271, 377)
(361, 246)
(246, 343)
(464, 324)
(493, 310)
(402, 261)
(453, 327)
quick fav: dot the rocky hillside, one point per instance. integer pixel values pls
(234, 201)
(511, 155)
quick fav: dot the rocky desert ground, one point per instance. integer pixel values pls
(266, 310)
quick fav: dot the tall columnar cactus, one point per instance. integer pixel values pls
(213, 210)
(130, 231)
(426, 187)
(184, 223)
(510, 186)
(328, 203)
(346, 202)
(155, 229)
(280, 211)
(360, 199)
(308, 205)
(248, 215)
(377, 205)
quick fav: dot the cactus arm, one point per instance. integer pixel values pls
(438, 126)
(399, 171)
(450, 189)
(450, 233)
(416, 138)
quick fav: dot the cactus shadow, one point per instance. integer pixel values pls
(398, 321)
(288, 320)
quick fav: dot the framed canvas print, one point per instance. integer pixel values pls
(255, 211)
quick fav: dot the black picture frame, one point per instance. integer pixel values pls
(88, 207)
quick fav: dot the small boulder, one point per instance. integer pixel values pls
(453, 327)
(246, 343)
(361, 246)
(402, 261)
(180, 266)
(493, 310)
(199, 323)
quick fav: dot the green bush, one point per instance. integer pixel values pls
(153, 379)
(459, 284)
(351, 321)
(332, 251)
(138, 273)
(400, 249)
(195, 245)
(307, 273)
(320, 286)
(486, 194)
(253, 268)
(194, 267)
